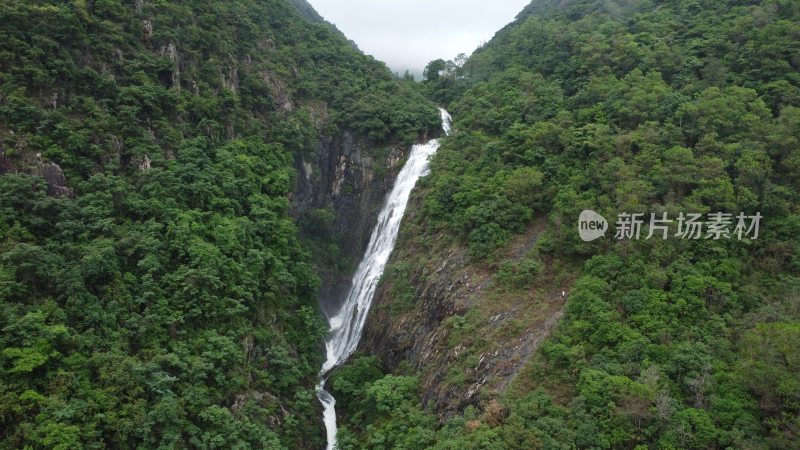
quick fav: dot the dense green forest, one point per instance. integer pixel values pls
(162, 298)
(616, 106)
(156, 293)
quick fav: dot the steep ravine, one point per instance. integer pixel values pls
(352, 176)
(347, 322)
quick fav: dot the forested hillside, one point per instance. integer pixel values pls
(630, 106)
(153, 292)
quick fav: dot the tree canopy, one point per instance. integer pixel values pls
(169, 304)
(620, 106)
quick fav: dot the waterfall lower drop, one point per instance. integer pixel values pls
(348, 323)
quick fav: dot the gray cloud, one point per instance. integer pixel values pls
(407, 34)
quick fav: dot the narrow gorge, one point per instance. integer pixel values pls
(348, 322)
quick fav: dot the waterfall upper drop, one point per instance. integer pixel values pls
(348, 324)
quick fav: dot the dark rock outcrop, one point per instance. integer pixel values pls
(51, 172)
(351, 176)
(6, 166)
(55, 179)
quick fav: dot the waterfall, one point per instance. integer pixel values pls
(347, 325)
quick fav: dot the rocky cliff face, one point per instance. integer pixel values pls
(350, 176)
(52, 173)
(6, 166)
(465, 345)
(452, 322)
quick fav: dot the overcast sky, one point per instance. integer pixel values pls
(407, 34)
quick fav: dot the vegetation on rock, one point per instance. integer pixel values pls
(169, 304)
(617, 106)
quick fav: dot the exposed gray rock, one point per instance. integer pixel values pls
(54, 177)
(230, 80)
(341, 174)
(6, 166)
(446, 284)
(147, 30)
(280, 93)
(145, 164)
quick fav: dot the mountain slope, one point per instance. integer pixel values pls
(645, 107)
(152, 286)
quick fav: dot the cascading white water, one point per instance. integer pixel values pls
(348, 323)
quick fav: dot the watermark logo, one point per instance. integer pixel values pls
(591, 225)
(632, 226)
